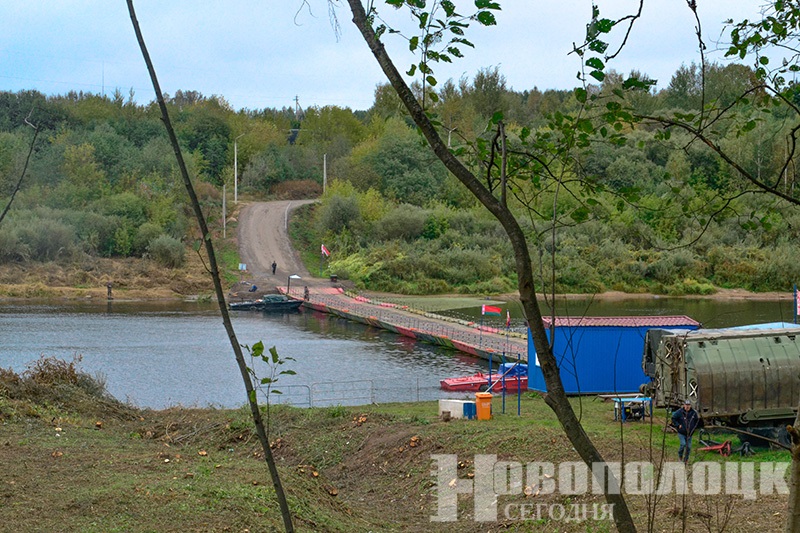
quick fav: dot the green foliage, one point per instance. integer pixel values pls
(408, 171)
(206, 131)
(406, 222)
(145, 234)
(340, 213)
(623, 204)
(167, 251)
(125, 205)
(441, 35)
(11, 248)
(277, 164)
(37, 239)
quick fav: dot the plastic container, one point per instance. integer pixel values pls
(483, 405)
(470, 411)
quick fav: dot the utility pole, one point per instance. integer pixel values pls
(236, 170)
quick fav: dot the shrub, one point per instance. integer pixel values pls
(405, 222)
(126, 205)
(296, 190)
(47, 239)
(167, 251)
(340, 213)
(52, 371)
(123, 242)
(146, 233)
(11, 249)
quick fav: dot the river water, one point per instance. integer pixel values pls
(162, 354)
(159, 355)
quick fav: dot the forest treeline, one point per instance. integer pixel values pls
(666, 214)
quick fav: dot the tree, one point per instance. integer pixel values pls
(556, 397)
(331, 129)
(86, 180)
(408, 171)
(205, 130)
(731, 101)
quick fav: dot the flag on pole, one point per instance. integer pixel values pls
(325, 251)
(508, 319)
(491, 310)
(796, 304)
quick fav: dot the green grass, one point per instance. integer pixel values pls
(348, 469)
(229, 259)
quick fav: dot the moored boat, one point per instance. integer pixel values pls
(511, 377)
(270, 303)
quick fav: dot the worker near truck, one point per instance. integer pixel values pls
(685, 420)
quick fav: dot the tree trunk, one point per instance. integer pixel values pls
(556, 397)
(793, 521)
(226, 320)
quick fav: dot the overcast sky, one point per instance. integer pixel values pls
(264, 53)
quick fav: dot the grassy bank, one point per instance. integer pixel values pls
(77, 460)
(131, 278)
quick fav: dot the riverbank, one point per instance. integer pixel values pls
(142, 279)
(130, 278)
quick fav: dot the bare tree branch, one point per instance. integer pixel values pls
(24, 168)
(206, 236)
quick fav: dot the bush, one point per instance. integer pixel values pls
(125, 205)
(47, 239)
(340, 213)
(167, 251)
(147, 233)
(297, 190)
(405, 222)
(11, 249)
(52, 371)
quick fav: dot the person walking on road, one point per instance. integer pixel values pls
(686, 421)
(274, 267)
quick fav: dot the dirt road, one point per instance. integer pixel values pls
(263, 238)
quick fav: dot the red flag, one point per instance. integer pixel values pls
(325, 251)
(491, 310)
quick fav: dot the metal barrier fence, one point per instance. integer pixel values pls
(361, 392)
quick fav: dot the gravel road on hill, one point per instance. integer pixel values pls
(263, 238)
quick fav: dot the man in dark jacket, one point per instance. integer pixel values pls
(685, 420)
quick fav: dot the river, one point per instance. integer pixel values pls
(163, 354)
(158, 355)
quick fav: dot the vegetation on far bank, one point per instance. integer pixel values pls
(664, 215)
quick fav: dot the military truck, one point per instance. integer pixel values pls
(745, 376)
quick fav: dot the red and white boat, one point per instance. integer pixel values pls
(512, 377)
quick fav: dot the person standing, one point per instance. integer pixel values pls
(274, 267)
(686, 421)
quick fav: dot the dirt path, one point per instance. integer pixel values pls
(263, 238)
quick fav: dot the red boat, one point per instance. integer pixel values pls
(512, 377)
